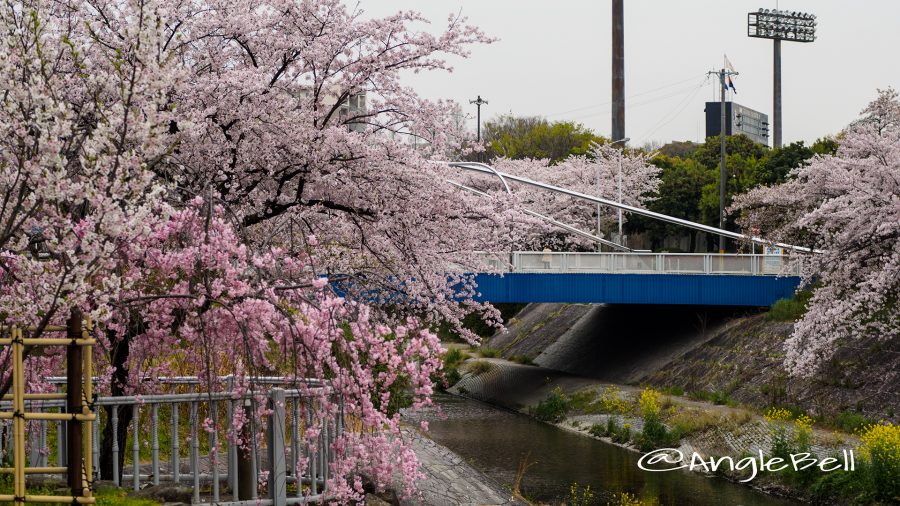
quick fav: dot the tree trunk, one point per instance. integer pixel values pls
(119, 379)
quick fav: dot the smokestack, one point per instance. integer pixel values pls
(618, 70)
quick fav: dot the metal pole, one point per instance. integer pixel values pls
(176, 459)
(722, 172)
(154, 440)
(74, 361)
(195, 452)
(621, 240)
(114, 420)
(478, 103)
(479, 118)
(618, 69)
(136, 447)
(277, 469)
(599, 245)
(776, 92)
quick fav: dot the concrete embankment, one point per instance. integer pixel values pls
(735, 354)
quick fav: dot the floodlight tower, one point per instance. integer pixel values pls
(780, 25)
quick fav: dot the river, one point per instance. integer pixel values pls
(496, 441)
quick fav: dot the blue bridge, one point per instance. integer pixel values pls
(641, 278)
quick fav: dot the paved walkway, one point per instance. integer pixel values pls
(450, 480)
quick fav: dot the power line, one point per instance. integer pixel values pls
(642, 103)
(628, 96)
(669, 117)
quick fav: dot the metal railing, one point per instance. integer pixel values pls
(292, 411)
(646, 263)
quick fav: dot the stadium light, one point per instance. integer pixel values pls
(780, 25)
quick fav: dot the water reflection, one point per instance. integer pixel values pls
(496, 441)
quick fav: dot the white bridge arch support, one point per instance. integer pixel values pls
(505, 177)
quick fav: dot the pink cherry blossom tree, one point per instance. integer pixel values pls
(220, 305)
(185, 172)
(295, 113)
(848, 205)
(595, 174)
(82, 127)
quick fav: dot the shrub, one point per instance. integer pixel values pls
(452, 359)
(881, 448)
(582, 399)
(451, 377)
(580, 496)
(622, 434)
(654, 433)
(612, 402)
(553, 408)
(789, 310)
(649, 402)
(782, 446)
(624, 499)
(788, 440)
(612, 430)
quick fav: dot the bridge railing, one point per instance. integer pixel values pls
(651, 263)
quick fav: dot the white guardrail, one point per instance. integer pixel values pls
(646, 263)
(277, 445)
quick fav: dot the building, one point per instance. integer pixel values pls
(354, 106)
(738, 120)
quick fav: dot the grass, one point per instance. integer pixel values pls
(522, 359)
(453, 359)
(719, 397)
(618, 433)
(479, 367)
(673, 390)
(848, 421)
(106, 496)
(115, 496)
(486, 352)
(582, 400)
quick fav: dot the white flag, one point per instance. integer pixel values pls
(728, 64)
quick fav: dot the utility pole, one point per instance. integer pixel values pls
(618, 70)
(723, 131)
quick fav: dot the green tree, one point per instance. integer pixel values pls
(781, 161)
(518, 137)
(679, 194)
(708, 152)
(825, 146)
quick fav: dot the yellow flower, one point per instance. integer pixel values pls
(649, 401)
(778, 415)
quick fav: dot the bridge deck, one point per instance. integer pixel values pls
(640, 278)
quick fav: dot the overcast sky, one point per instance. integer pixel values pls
(553, 60)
